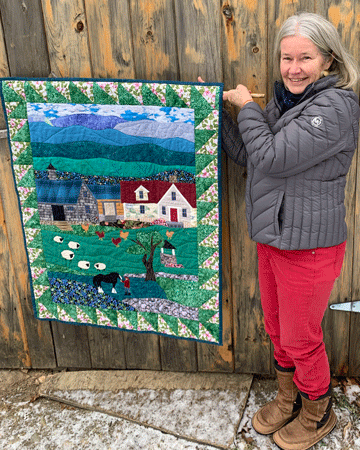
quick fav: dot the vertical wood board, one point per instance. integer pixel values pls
(25, 38)
(67, 38)
(14, 350)
(154, 39)
(198, 39)
(110, 39)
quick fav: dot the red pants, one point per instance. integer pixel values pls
(295, 287)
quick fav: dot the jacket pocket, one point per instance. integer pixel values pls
(279, 210)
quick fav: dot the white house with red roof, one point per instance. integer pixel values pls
(149, 200)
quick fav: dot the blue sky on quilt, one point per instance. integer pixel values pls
(134, 120)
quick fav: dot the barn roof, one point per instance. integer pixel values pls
(105, 191)
(58, 191)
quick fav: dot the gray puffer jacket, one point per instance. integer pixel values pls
(297, 165)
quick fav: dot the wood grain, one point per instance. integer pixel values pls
(106, 348)
(244, 59)
(153, 28)
(4, 70)
(71, 346)
(14, 351)
(25, 38)
(198, 39)
(110, 39)
(67, 38)
(336, 325)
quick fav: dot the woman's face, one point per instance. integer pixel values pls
(301, 63)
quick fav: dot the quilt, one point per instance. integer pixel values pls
(119, 190)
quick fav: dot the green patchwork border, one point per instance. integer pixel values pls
(206, 101)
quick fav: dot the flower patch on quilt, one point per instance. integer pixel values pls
(119, 190)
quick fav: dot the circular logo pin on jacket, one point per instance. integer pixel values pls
(316, 121)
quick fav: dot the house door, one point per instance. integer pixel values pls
(110, 211)
(58, 212)
(173, 215)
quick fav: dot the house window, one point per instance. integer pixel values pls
(85, 194)
(70, 208)
(141, 194)
(142, 209)
(164, 210)
(173, 196)
(87, 209)
(184, 213)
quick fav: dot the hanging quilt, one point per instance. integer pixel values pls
(119, 190)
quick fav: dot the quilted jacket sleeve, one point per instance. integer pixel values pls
(231, 140)
(323, 128)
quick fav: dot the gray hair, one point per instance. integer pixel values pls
(326, 38)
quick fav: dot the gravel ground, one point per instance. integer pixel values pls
(28, 422)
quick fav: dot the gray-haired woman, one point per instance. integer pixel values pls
(298, 152)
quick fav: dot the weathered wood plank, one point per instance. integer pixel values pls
(4, 70)
(25, 38)
(245, 58)
(142, 351)
(106, 348)
(177, 356)
(154, 39)
(198, 39)
(4, 65)
(336, 325)
(14, 351)
(72, 346)
(354, 318)
(110, 39)
(38, 332)
(67, 38)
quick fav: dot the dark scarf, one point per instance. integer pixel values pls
(286, 99)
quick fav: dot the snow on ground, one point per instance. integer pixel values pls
(47, 425)
(40, 424)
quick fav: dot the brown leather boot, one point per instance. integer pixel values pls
(315, 421)
(285, 407)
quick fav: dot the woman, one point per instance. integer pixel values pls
(298, 152)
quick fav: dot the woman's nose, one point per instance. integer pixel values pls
(295, 67)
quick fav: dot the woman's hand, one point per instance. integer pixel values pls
(238, 96)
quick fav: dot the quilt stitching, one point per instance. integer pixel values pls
(119, 190)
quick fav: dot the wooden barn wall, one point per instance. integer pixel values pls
(223, 41)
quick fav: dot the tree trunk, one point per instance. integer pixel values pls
(148, 263)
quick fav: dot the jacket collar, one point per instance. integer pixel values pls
(311, 89)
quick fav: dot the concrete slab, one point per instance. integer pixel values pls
(200, 407)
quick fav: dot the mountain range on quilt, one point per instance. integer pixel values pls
(118, 185)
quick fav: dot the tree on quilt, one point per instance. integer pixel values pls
(146, 243)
